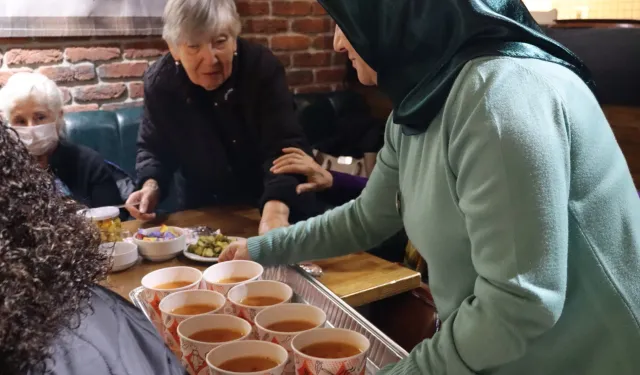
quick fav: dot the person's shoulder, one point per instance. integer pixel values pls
(497, 78)
(255, 57)
(161, 75)
(81, 153)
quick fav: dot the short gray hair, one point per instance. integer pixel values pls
(25, 85)
(190, 20)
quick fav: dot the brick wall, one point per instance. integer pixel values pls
(103, 73)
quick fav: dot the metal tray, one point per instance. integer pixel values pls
(383, 350)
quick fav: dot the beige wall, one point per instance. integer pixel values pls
(569, 9)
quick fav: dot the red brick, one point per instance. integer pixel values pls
(291, 8)
(32, 56)
(6, 74)
(290, 42)
(68, 73)
(285, 59)
(66, 95)
(258, 39)
(265, 26)
(57, 73)
(312, 25)
(145, 50)
(84, 72)
(92, 54)
(252, 8)
(104, 91)
(323, 42)
(330, 75)
(116, 106)
(313, 88)
(299, 77)
(306, 59)
(123, 69)
(317, 9)
(80, 108)
(136, 90)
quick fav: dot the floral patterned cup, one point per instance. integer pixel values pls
(262, 288)
(287, 312)
(237, 350)
(170, 320)
(152, 295)
(308, 365)
(246, 269)
(194, 353)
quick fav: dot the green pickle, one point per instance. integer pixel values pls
(209, 246)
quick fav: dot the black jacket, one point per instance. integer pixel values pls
(114, 338)
(86, 174)
(222, 142)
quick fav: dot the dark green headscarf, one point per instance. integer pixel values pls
(418, 47)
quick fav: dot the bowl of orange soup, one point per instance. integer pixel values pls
(330, 351)
(180, 306)
(247, 357)
(281, 323)
(200, 334)
(223, 276)
(250, 298)
(160, 283)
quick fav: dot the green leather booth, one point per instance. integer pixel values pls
(113, 134)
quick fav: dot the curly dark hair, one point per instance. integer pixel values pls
(49, 260)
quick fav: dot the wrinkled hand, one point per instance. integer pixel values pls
(235, 251)
(270, 223)
(296, 161)
(148, 198)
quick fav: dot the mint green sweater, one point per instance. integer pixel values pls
(522, 205)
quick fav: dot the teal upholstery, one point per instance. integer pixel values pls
(114, 134)
(128, 123)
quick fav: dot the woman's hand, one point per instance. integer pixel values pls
(235, 251)
(147, 199)
(296, 161)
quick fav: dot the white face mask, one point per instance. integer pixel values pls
(39, 139)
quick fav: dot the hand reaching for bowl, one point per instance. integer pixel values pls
(296, 161)
(237, 250)
(147, 199)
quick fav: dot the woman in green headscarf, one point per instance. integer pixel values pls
(504, 171)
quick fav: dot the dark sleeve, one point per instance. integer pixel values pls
(279, 129)
(103, 189)
(153, 159)
(345, 188)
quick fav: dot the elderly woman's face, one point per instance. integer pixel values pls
(208, 64)
(366, 75)
(29, 112)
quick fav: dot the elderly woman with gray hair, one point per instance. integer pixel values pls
(32, 105)
(218, 111)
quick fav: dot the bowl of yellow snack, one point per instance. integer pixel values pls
(108, 222)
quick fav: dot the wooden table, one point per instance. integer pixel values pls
(357, 278)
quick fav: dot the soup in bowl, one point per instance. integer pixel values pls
(250, 298)
(247, 357)
(330, 350)
(281, 323)
(180, 306)
(160, 283)
(200, 334)
(223, 276)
